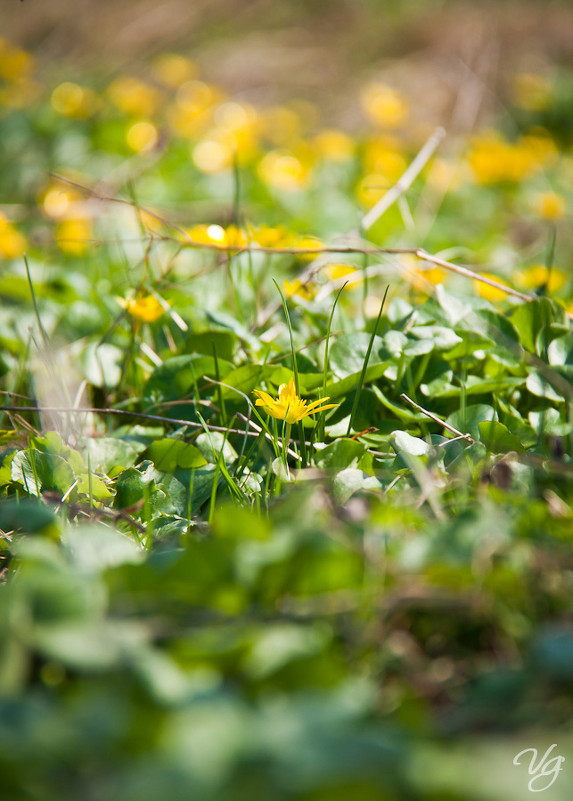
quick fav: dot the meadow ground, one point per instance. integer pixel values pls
(286, 404)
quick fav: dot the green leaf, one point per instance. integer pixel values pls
(95, 547)
(130, 487)
(213, 443)
(560, 351)
(203, 342)
(177, 376)
(497, 437)
(531, 317)
(107, 453)
(442, 338)
(245, 379)
(542, 388)
(348, 352)
(168, 454)
(25, 515)
(402, 441)
(467, 420)
(41, 472)
(350, 481)
(340, 454)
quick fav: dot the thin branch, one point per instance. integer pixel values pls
(405, 180)
(437, 419)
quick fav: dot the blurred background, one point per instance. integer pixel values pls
(266, 51)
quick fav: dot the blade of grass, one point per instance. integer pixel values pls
(295, 371)
(222, 408)
(365, 365)
(326, 347)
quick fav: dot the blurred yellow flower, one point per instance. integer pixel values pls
(488, 292)
(537, 276)
(282, 170)
(267, 236)
(334, 145)
(444, 174)
(296, 288)
(60, 201)
(215, 234)
(213, 154)
(288, 406)
(420, 278)
(531, 92)
(72, 100)
(281, 126)
(144, 309)
(142, 136)
(134, 97)
(73, 235)
(12, 242)
(492, 159)
(172, 70)
(383, 105)
(338, 271)
(192, 111)
(15, 64)
(549, 205)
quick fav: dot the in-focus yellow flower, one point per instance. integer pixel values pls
(288, 406)
(145, 309)
(549, 205)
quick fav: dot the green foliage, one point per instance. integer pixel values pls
(197, 601)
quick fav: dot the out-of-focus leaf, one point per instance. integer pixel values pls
(497, 437)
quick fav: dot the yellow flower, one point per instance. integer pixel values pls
(288, 406)
(146, 309)
(71, 100)
(296, 289)
(283, 170)
(134, 97)
(334, 145)
(339, 271)
(73, 235)
(173, 70)
(383, 105)
(488, 292)
(15, 64)
(12, 242)
(538, 275)
(549, 205)
(142, 136)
